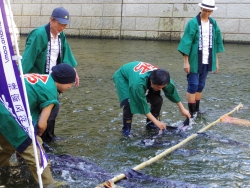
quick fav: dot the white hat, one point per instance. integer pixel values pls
(208, 4)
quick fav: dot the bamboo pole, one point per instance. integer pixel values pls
(111, 182)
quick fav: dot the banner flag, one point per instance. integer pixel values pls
(11, 88)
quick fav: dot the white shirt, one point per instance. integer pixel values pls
(205, 41)
(54, 51)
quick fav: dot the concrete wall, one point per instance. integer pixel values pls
(140, 19)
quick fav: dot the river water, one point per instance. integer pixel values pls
(90, 119)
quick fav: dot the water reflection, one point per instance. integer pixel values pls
(90, 118)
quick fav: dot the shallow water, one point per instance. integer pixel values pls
(90, 119)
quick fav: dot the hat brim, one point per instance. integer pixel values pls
(63, 21)
(209, 8)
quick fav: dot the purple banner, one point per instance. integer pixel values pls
(11, 88)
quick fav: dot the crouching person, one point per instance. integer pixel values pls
(42, 92)
(139, 83)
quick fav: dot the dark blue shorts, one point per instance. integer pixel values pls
(196, 81)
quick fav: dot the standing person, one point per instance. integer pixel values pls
(46, 46)
(201, 42)
(42, 91)
(139, 83)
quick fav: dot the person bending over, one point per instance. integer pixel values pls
(42, 91)
(139, 83)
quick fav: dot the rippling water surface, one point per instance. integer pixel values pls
(90, 119)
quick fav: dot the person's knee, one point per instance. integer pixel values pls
(5, 155)
(200, 89)
(47, 176)
(6, 151)
(127, 112)
(201, 86)
(192, 88)
(193, 82)
(158, 101)
(156, 105)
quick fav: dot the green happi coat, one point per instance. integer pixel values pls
(131, 82)
(36, 49)
(189, 43)
(41, 91)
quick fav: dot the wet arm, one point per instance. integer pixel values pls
(77, 82)
(183, 110)
(229, 119)
(44, 116)
(158, 123)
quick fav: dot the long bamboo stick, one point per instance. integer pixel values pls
(110, 183)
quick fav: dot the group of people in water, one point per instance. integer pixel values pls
(49, 65)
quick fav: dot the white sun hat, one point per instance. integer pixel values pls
(208, 4)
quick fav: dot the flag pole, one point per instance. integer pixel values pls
(31, 128)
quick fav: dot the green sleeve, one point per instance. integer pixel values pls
(34, 55)
(171, 92)
(190, 34)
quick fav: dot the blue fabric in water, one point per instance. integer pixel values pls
(79, 169)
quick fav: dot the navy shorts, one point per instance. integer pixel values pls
(196, 81)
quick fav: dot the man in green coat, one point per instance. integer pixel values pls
(201, 42)
(46, 46)
(42, 94)
(139, 83)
